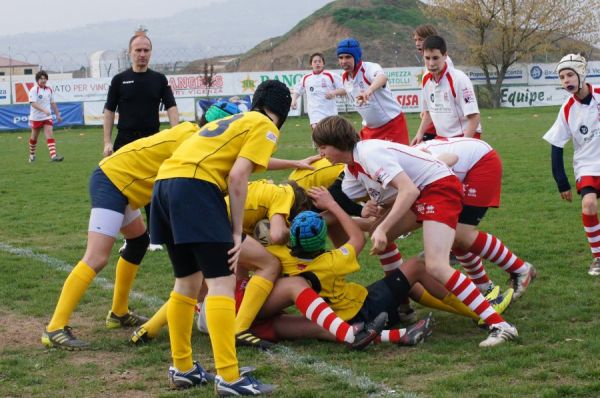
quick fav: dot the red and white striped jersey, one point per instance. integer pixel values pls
(581, 123)
(449, 101)
(377, 162)
(381, 107)
(43, 97)
(316, 85)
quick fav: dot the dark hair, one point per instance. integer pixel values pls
(320, 55)
(425, 31)
(435, 43)
(301, 200)
(139, 35)
(41, 74)
(337, 132)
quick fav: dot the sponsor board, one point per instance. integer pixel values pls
(528, 96)
(13, 117)
(93, 112)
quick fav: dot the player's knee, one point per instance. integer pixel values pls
(589, 204)
(136, 248)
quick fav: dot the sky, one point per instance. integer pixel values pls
(47, 16)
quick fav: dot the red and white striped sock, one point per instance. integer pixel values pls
(473, 266)
(591, 225)
(465, 291)
(32, 144)
(390, 336)
(492, 249)
(51, 142)
(318, 311)
(390, 259)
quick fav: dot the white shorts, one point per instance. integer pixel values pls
(109, 222)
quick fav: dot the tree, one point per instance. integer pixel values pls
(500, 33)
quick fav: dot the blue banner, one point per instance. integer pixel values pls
(242, 101)
(15, 117)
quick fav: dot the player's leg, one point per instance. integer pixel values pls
(51, 142)
(33, 139)
(591, 225)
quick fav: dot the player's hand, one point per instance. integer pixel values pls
(108, 149)
(370, 209)
(59, 118)
(330, 95)
(234, 252)
(417, 140)
(567, 195)
(363, 97)
(305, 164)
(294, 105)
(378, 241)
(321, 198)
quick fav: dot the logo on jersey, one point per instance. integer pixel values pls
(432, 97)
(468, 95)
(583, 129)
(380, 175)
(127, 82)
(301, 266)
(272, 137)
(311, 89)
(40, 96)
(344, 250)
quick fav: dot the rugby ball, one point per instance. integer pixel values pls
(261, 232)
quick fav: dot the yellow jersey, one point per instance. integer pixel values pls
(210, 154)
(264, 200)
(323, 175)
(330, 268)
(132, 169)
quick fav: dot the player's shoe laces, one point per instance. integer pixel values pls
(140, 336)
(418, 332)
(248, 339)
(130, 319)
(31, 158)
(63, 339)
(194, 377)
(245, 385)
(499, 334)
(406, 314)
(57, 158)
(595, 267)
(520, 282)
(492, 292)
(364, 334)
(500, 304)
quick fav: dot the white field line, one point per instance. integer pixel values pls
(283, 353)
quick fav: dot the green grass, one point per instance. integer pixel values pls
(44, 210)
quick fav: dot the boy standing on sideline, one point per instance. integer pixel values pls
(42, 102)
(579, 120)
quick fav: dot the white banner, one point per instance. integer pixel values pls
(93, 112)
(521, 97)
(545, 74)
(4, 93)
(516, 74)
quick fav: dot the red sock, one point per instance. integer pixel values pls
(492, 249)
(314, 308)
(473, 266)
(51, 142)
(591, 225)
(390, 259)
(32, 144)
(465, 291)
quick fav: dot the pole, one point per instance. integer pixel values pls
(10, 85)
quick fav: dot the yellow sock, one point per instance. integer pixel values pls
(124, 277)
(257, 291)
(220, 319)
(75, 286)
(449, 304)
(158, 320)
(180, 314)
(459, 307)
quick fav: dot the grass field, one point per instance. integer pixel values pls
(44, 210)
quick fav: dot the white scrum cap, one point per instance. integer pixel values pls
(576, 63)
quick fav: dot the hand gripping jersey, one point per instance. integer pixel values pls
(264, 200)
(377, 162)
(316, 85)
(581, 123)
(323, 175)
(327, 276)
(43, 97)
(449, 101)
(210, 154)
(381, 107)
(133, 168)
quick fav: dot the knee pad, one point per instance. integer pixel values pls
(398, 284)
(136, 248)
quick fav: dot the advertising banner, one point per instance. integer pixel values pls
(13, 117)
(521, 97)
(4, 93)
(545, 74)
(516, 74)
(93, 112)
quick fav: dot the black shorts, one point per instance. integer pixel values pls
(471, 215)
(210, 258)
(104, 194)
(125, 137)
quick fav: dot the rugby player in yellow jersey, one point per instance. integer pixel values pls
(119, 187)
(191, 186)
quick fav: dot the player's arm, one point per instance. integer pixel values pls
(323, 200)
(56, 111)
(302, 164)
(558, 172)
(406, 196)
(379, 81)
(425, 122)
(107, 126)
(237, 183)
(295, 96)
(278, 231)
(473, 121)
(173, 115)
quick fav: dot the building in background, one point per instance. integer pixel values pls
(11, 66)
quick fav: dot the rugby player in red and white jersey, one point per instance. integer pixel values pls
(320, 87)
(448, 97)
(479, 168)
(366, 84)
(579, 120)
(41, 98)
(418, 190)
